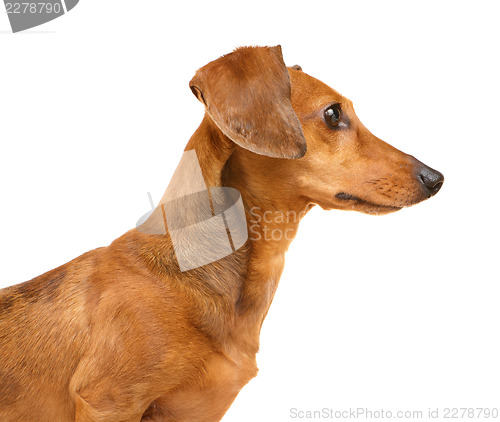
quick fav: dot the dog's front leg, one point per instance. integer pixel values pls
(85, 412)
(208, 405)
(207, 398)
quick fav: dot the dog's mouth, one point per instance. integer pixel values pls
(366, 206)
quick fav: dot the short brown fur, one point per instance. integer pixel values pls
(119, 334)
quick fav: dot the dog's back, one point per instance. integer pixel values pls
(72, 327)
(40, 324)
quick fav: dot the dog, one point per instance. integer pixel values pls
(131, 332)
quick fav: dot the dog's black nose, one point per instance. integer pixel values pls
(431, 179)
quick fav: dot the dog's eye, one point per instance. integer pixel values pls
(332, 115)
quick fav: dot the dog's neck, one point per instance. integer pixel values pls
(271, 218)
(230, 297)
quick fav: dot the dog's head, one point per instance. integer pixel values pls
(304, 138)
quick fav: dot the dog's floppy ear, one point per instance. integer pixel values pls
(247, 95)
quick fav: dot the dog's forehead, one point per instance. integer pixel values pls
(310, 93)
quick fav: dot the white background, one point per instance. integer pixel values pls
(393, 312)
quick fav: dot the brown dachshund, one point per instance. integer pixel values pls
(125, 333)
